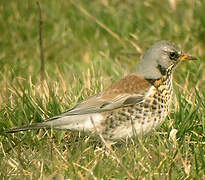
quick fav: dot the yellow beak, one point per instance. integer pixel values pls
(186, 57)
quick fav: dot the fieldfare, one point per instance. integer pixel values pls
(136, 104)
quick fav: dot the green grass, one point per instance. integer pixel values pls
(85, 52)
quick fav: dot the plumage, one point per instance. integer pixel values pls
(135, 104)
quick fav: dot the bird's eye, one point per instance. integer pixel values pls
(173, 55)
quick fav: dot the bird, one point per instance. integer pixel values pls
(134, 105)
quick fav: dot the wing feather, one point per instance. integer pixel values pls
(130, 90)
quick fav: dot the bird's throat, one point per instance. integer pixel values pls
(157, 82)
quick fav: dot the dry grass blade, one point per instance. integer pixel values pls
(41, 43)
(84, 11)
(88, 170)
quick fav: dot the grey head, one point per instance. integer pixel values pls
(160, 58)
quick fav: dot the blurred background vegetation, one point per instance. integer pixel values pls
(87, 45)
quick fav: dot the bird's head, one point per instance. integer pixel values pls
(160, 59)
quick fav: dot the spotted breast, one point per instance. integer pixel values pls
(140, 118)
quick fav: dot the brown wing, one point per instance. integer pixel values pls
(129, 90)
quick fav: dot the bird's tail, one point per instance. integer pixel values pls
(85, 122)
(25, 128)
(46, 124)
